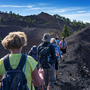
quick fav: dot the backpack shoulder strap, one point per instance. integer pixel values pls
(7, 63)
(49, 45)
(41, 45)
(20, 65)
(22, 62)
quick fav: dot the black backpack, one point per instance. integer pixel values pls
(45, 56)
(14, 79)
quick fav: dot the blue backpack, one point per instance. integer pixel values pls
(33, 52)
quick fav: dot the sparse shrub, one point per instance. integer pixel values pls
(22, 18)
(38, 22)
(56, 34)
(34, 20)
(10, 12)
(55, 31)
(2, 20)
(25, 20)
(27, 27)
(46, 23)
(29, 20)
(75, 32)
(9, 16)
(51, 33)
(17, 16)
(49, 29)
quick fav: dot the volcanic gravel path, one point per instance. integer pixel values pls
(71, 74)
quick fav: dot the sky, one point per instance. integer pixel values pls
(78, 10)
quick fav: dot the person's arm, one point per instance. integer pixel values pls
(0, 77)
(66, 47)
(38, 76)
(60, 45)
(59, 51)
(0, 80)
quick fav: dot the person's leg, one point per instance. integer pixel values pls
(62, 57)
(46, 80)
(64, 51)
(56, 74)
(62, 54)
(56, 69)
(51, 77)
(49, 88)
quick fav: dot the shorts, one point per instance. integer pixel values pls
(49, 76)
(63, 51)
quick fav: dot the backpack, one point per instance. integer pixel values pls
(57, 51)
(45, 57)
(33, 52)
(14, 79)
(63, 45)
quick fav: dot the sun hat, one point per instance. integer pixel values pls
(53, 41)
(46, 37)
(63, 38)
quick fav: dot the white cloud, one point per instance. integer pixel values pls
(37, 8)
(81, 11)
(67, 9)
(82, 17)
(16, 6)
(41, 8)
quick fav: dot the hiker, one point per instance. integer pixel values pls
(49, 67)
(58, 54)
(63, 48)
(14, 42)
(57, 40)
(33, 52)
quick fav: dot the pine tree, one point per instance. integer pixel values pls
(65, 32)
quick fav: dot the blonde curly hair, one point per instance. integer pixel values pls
(14, 40)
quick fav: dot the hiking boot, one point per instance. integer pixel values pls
(56, 77)
(63, 60)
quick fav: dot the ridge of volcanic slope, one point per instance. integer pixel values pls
(74, 73)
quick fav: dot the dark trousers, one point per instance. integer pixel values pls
(56, 65)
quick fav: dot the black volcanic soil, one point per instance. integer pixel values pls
(74, 72)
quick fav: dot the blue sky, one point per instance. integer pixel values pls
(78, 10)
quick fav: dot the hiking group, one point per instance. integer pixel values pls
(39, 67)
